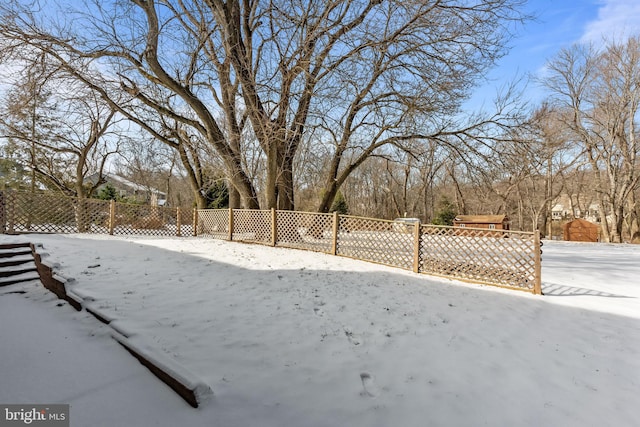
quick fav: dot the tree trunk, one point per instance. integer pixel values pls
(241, 182)
(201, 201)
(330, 192)
(285, 185)
(235, 201)
(279, 183)
(604, 224)
(634, 219)
(271, 190)
(617, 219)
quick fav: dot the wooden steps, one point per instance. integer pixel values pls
(17, 264)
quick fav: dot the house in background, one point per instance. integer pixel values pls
(129, 189)
(490, 222)
(565, 209)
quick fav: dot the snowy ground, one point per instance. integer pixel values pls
(294, 338)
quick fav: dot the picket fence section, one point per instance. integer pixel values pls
(509, 259)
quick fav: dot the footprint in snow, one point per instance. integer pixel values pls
(369, 387)
(353, 339)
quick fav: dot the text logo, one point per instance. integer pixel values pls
(34, 415)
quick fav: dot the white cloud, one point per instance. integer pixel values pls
(616, 19)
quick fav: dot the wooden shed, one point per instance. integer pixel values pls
(580, 230)
(490, 222)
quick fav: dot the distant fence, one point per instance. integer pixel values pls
(496, 257)
(39, 212)
(509, 259)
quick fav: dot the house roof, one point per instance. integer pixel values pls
(481, 219)
(121, 181)
(125, 181)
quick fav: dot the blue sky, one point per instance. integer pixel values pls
(559, 24)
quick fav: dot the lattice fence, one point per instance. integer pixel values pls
(46, 213)
(496, 257)
(54, 213)
(384, 242)
(252, 226)
(186, 225)
(304, 230)
(489, 256)
(145, 220)
(503, 258)
(214, 223)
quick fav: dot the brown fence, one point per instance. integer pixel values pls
(53, 213)
(496, 257)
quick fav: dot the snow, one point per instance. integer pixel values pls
(295, 338)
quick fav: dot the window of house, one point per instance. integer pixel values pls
(492, 226)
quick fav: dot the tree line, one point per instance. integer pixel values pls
(293, 104)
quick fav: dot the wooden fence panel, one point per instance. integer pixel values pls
(54, 213)
(3, 216)
(376, 240)
(213, 223)
(145, 220)
(252, 226)
(496, 257)
(304, 230)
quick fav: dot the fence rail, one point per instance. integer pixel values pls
(496, 257)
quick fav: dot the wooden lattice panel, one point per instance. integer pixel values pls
(304, 230)
(95, 215)
(54, 213)
(213, 223)
(491, 256)
(488, 256)
(144, 220)
(375, 240)
(252, 226)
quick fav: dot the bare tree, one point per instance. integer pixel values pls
(66, 129)
(600, 90)
(538, 157)
(368, 73)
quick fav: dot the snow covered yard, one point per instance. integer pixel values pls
(294, 338)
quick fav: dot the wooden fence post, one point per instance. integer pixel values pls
(416, 248)
(112, 216)
(178, 222)
(11, 211)
(537, 255)
(334, 239)
(195, 222)
(230, 224)
(3, 217)
(274, 227)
